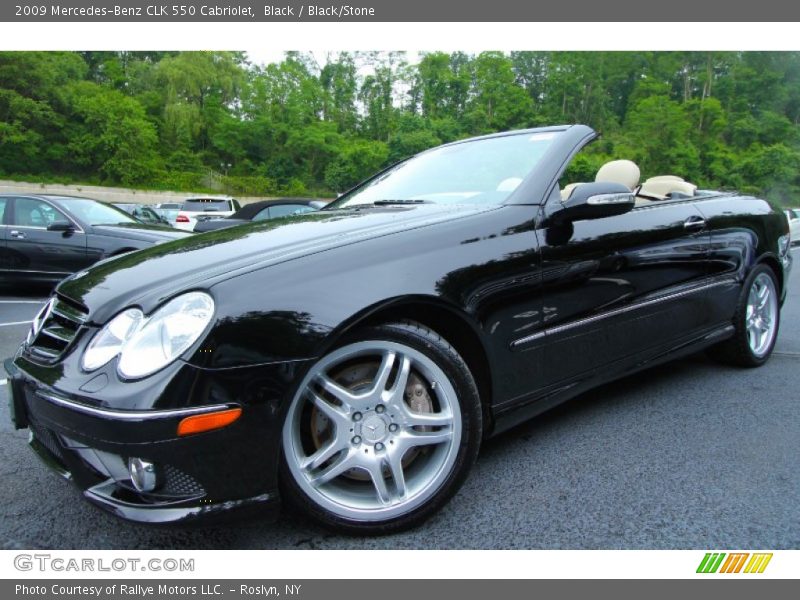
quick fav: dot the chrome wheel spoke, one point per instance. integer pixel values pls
(397, 390)
(332, 471)
(414, 437)
(342, 394)
(415, 419)
(323, 455)
(375, 471)
(395, 461)
(759, 335)
(752, 299)
(382, 376)
(763, 297)
(337, 414)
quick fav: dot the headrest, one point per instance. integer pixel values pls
(620, 171)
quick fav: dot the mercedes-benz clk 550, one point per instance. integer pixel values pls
(350, 361)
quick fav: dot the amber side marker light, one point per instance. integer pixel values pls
(208, 421)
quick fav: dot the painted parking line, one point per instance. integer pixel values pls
(22, 301)
(3, 381)
(15, 323)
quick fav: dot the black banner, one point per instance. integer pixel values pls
(393, 11)
(398, 589)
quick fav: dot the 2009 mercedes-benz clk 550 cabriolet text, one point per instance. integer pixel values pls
(350, 361)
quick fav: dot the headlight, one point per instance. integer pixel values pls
(166, 335)
(146, 345)
(111, 338)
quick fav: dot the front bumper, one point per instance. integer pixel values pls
(233, 469)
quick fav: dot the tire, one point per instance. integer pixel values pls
(745, 349)
(382, 431)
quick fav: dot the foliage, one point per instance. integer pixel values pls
(212, 121)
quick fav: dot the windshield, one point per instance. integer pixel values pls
(483, 171)
(207, 205)
(96, 213)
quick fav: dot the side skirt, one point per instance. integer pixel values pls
(520, 410)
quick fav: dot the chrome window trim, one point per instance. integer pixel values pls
(130, 415)
(79, 230)
(618, 311)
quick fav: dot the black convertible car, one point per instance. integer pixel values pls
(351, 360)
(260, 211)
(47, 237)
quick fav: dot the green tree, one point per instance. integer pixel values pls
(109, 134)
(658, 133)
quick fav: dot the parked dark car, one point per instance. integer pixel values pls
(351, 360)
(143, 213)
(260, 211)
(45, 238)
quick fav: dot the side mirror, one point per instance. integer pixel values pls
(64, 226)
(595, 201)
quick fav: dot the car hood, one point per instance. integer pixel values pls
(148, 277)
(140, 232)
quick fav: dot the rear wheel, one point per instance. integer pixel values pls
(382, 431)
(756, 321)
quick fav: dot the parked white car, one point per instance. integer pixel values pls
(212, 207)
(793, 214)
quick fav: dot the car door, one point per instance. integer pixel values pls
(616, 288)
(33, 248)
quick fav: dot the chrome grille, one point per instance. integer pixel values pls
(60, 323)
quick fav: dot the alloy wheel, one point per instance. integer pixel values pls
(373, 431)
(761, 313)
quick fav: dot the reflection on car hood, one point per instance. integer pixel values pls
(213, 224)
(148, 277)
(140, 232)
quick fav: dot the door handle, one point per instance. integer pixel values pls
(694, 224)
(16, 234)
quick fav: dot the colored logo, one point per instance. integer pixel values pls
(734, 562)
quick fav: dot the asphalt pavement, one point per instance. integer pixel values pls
(689, 455)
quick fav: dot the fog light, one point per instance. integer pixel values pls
(143, 474)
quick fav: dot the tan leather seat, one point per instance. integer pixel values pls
(620, 171)
(616, 171)
(661, 186)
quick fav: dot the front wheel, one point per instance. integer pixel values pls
(382, 431)
(755, 323)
